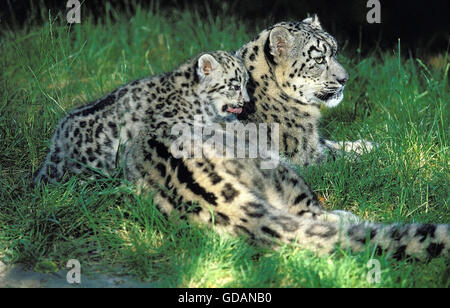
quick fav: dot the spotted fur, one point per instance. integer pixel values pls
(293, 71)
(234, 195)
(268, 206)
(88, 139)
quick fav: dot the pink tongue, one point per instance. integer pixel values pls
(234, 110)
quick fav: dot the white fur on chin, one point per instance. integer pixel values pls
(335, 100)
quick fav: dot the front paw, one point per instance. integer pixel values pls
(360, 146)
(346, 217)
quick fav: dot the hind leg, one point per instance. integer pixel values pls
(219, 192)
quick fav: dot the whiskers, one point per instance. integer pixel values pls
(328, 93)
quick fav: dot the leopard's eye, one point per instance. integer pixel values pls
(236, 87)
(320, 60)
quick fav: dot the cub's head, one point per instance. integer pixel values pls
(303, 57)
(222, 80)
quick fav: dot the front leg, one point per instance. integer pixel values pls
(286, 190)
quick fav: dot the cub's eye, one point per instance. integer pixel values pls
(236, 87)
(320, 60)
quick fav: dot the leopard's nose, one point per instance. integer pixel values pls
(342, 81)
(342, 78)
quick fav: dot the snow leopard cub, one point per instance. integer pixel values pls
(87, 139)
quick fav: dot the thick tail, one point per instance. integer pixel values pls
(421, 241)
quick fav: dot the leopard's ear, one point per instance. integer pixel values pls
(281, 42)
(206, 65)
(313, 22)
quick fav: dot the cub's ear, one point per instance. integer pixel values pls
(281, 42)
(206, 65)
(313, 22)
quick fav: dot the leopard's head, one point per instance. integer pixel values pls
(304, 62)
(222, 80)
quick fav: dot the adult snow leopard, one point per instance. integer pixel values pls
(293, 71)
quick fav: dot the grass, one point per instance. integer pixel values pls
(48, 68)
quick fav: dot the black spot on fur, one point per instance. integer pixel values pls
(114, 130)
(357, 233)
(425, 230)
(300, 198)
(329, 230)
(192, 207)
(221, 219)
(55, 158)
(122, 93)
(53, 172)
(229, 193)
(98, 130)
(109, 100)
(253, 209)
(286, 223)
(238, 229)
(400, 253)
(271, 232)
(160, 148)
(162, 169)
(184, 175)
(434, 250)
(215, 178)
(397, 233)
(302, 212)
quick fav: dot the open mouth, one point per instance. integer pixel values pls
(232, 109)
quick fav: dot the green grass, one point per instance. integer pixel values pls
(47, 69)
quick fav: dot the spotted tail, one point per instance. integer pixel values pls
(420, 241)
